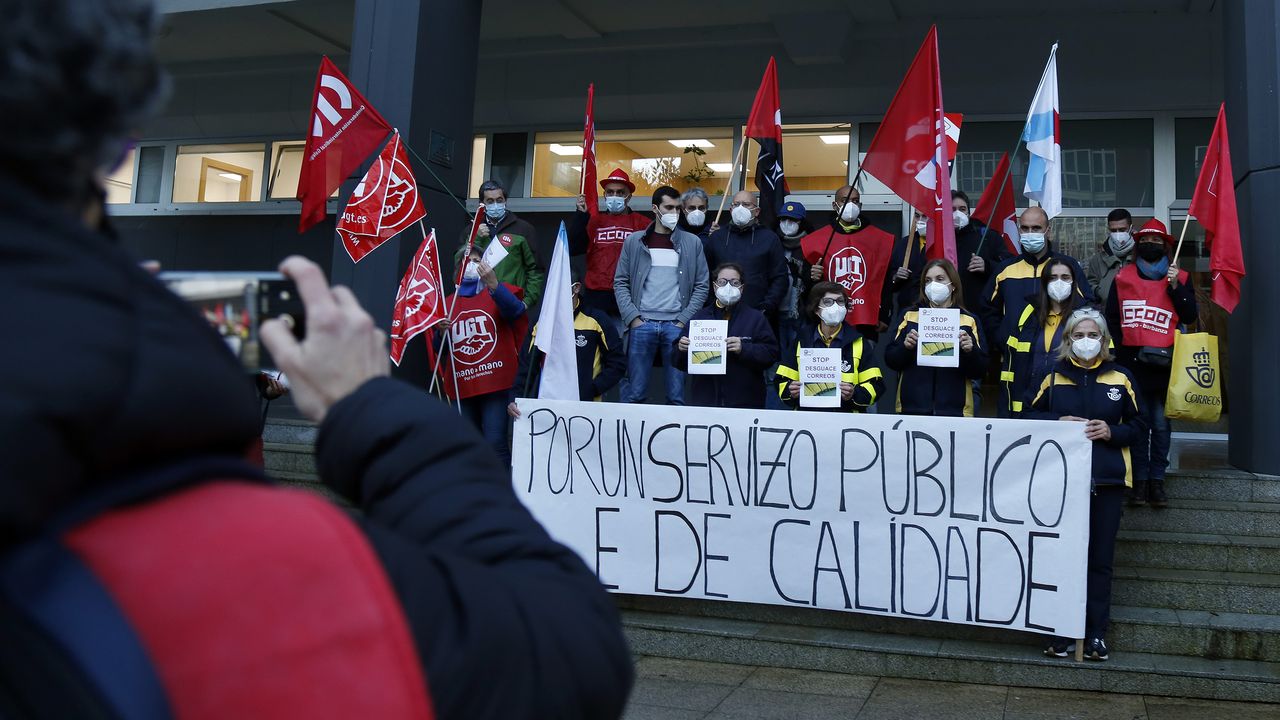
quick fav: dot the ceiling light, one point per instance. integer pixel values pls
(835, 139)
(230, 176)
(695, 143)
(720, 167)
(566, 150)
(846, 163)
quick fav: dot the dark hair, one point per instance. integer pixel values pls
(666, 191)
(1044, 302)
(820, 289)
(490, 186)
(77, 81)
(729, 266)
(957, 290)
(1119, 214)
(960, 194)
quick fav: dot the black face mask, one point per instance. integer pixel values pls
(1151, 252)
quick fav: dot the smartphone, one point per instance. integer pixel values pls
(235, 304)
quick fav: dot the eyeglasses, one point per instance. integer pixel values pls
(828, 302)
(733, 283)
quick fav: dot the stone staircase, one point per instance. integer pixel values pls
(1196, 606)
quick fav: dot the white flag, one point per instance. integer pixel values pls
(1044, 141)
(555, 337)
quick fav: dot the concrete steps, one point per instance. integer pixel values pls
(1198, 551)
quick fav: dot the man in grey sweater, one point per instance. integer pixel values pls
(660, 282)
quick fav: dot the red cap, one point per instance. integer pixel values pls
(618, 176)
(1155, 228)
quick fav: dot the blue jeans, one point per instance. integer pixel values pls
(652, 337)
(1151, 450)
(488, 413)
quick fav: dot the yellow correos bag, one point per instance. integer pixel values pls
(1195, 383)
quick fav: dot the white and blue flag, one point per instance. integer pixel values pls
(1044, 141)
(555, 335)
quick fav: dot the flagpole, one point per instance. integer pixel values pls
(427, 165)
(1186, 221)
(729, 183)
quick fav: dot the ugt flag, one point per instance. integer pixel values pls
(1214, 206)
(385, 202)
(420, 299)
(345, 130)
(910, 149)
(589, 187)
(765, 127)
(1043, 137)
(995, 208)
(554, 335)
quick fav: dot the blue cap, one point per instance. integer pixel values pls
(793, 210)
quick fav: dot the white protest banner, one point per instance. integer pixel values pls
(962, 520)
(707, 346)
(938, 337)
(819, 377)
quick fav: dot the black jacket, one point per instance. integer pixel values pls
(108, 375)
(859, 369)
(993, 252)
(742, 385)
(1105, 392)
(601, 360)
(898, 296)
(759, 251)
(943, 391)
(1015, 278)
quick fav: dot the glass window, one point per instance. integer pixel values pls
(150, 174)
(119, 184)
(1190, 143)
(982, 144)
(815, 157)
(286, 166)
(1107, 163)
(507, 162)
(1080, 237)
(682, 158)
(477, 165)
(219, 173)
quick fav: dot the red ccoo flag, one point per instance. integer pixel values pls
(1214, 206)
(420, 299)
(384, 203)
(342, 136)
(589, 187)
(764, 125)
(999, 212)
(909, 152)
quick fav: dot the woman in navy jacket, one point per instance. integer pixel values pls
(942, 391)
(752, 347)
(1088, 387)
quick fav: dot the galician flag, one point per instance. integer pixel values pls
(1043, 137)
(554, 335)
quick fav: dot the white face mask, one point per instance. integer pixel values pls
(472, 272)
(741, 216)
(833, 315)
(669, 220)
(615, 204)
(961, 220)
(1086, 348)
(922, 227)
(789, 227)
(849, 212)
(1121, 243)
(1059, 290)
(937, 292)
(728, 295)
(695, 218)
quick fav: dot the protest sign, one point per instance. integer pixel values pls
(820, 377)
(707, 346)
(962, 520)
(938, 339)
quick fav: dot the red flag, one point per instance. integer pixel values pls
(589, 186)
(951, 124)
(764, 125)
(342, 136)
(471, 241)
(420, 299)
(909, 151)
(1214, 206)
(998, 213)
(384, 203)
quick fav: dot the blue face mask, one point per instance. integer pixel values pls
(495, 210)
(1032, 242)
(615, 204)
(1153, 270)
